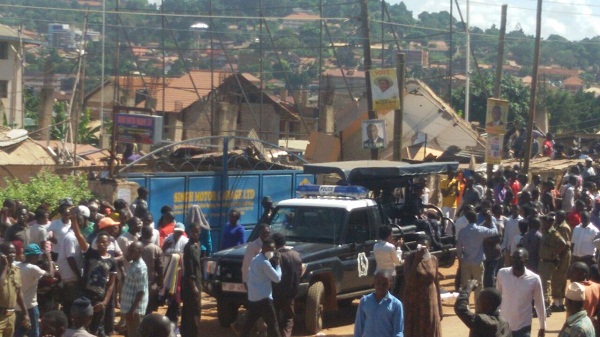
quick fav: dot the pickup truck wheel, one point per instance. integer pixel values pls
(226, 313)
(314, 308)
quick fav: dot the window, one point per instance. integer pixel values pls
(3, 89)
(4, 50)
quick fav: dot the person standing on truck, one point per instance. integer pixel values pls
(264, 270)
(449, 189)
(285, 291)
(233, 233)
(267, 205)
(379, 313)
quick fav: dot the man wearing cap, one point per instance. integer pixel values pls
(81, 317)
(579, 272)
(578, 324)
(30, 275)
(559, 277)
(551, 248)
(174, 243)
(588, 170)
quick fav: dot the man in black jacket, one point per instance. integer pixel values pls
(486, 321)
(285, 291)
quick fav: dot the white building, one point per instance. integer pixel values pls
(11, 75)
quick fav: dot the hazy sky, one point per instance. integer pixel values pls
(572, 19)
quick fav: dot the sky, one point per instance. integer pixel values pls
(571, 19)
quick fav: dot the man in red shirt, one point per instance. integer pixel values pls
(574, 217)
(515, 185)
(168, 228)
(548, 147)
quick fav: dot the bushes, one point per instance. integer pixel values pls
(48, 188)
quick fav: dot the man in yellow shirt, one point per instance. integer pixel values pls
(449, 189)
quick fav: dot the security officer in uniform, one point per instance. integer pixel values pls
(10, 291)
(552, 246)
(559, 277)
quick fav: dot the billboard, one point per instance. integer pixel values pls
(373, 134)
(493, 151)
(384, 89)
(496, 116)
(141, 129)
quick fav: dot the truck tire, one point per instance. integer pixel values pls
(314, 308)
(226, 313)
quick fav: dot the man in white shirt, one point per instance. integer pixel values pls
(59, 229)
(30, 275)
(253, 248)
(519, 286)
(69, 262)
(133, 234)
(567, 192)
(584, 237)
(386, 252)
(511, 229)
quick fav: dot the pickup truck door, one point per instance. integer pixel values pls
(357, 258)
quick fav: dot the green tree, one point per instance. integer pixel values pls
(46, 188)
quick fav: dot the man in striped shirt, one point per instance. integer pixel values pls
(134, 297)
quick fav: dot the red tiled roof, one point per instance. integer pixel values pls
(182, 92)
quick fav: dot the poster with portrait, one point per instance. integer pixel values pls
(493, 151)
(384, 89)
(496, 116)
(373, 134)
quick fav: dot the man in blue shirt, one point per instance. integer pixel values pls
(470, 250)
(264, 269)
(233, 232)
(379, 313)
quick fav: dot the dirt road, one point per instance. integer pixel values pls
(341, 323)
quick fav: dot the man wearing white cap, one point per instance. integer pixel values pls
(578, 324)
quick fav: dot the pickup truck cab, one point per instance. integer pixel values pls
(333, 228)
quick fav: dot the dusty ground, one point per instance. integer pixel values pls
(340, 323)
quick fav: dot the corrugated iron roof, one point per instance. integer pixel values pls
(27, 152)
(9, 34)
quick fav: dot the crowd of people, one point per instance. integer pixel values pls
(518, 241)
(94, 259)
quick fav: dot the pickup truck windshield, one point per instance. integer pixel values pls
(307, 224)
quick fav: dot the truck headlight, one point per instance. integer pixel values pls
(210, 267)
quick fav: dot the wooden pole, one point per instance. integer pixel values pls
(399, 113)
(364, 15)
(533, 92)
(498, 79)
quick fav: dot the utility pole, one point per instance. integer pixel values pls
(468, 67)
(450, 51)
(364, 15)
(533, 92)
(399, 113)
(498, 79)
